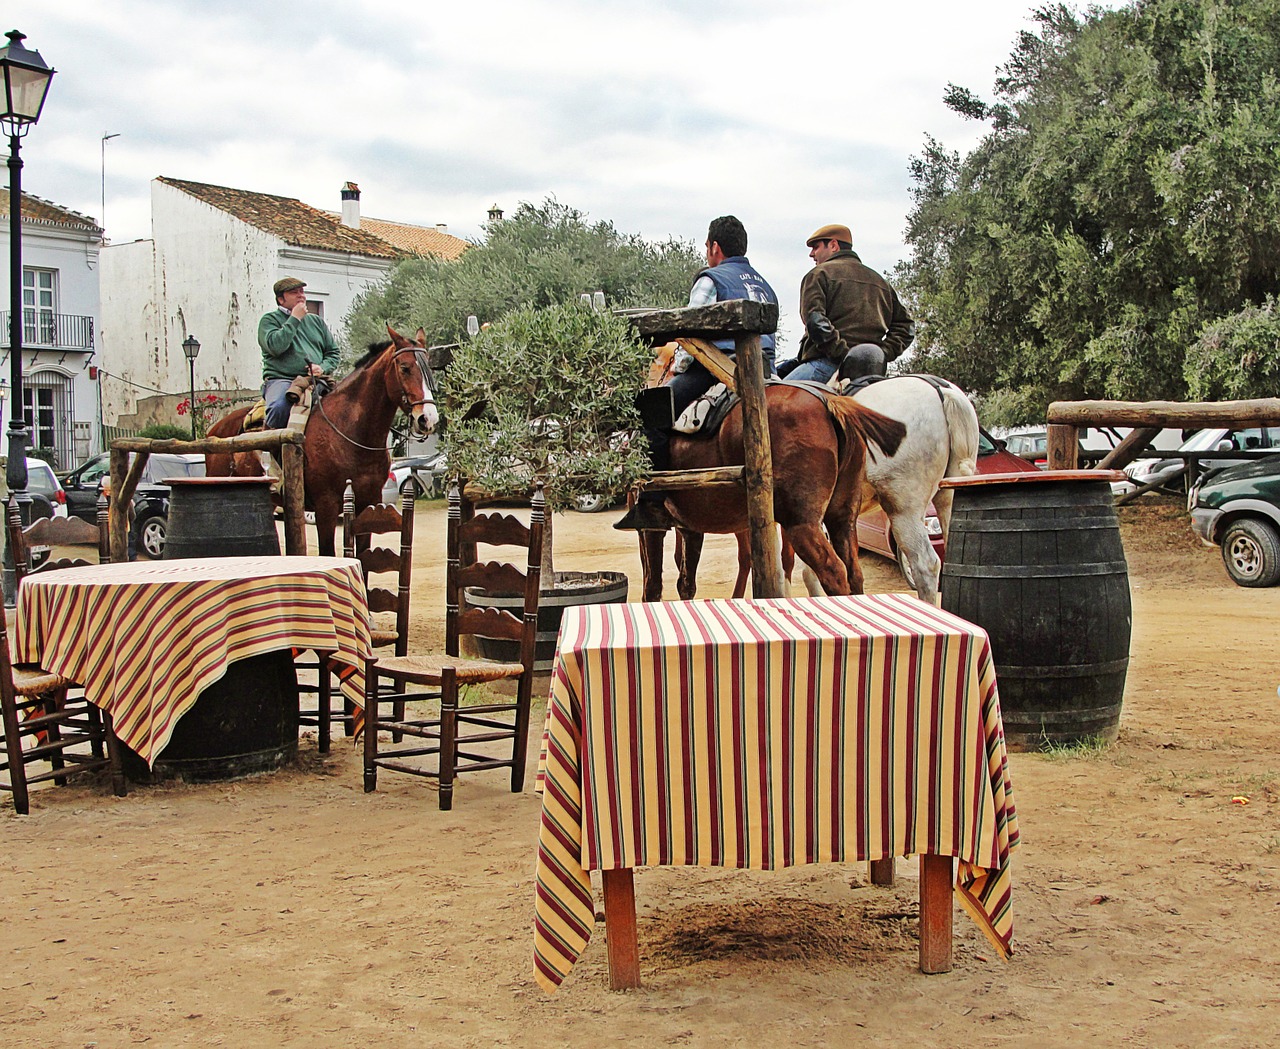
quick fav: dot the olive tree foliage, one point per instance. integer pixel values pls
(547, 394)
(539, 256)
(1116, 233)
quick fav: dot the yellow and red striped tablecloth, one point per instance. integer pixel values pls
(145, 638)
(765, 734)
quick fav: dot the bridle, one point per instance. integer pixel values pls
(406, 405)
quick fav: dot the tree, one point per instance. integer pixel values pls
(540, 256)
(1123, 207)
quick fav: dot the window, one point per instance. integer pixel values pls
(316, 306)
(39, 306)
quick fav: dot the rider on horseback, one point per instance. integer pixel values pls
(729, 275)
(294, 343)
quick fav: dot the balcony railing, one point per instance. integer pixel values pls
(50, 331)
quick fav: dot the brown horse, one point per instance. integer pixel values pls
(819, 461)
(346, 434)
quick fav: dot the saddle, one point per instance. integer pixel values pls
(301, 393)
(849, 387)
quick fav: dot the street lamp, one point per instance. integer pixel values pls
(26, 82)
(191, 347)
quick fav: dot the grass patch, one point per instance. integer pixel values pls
(1089, 748)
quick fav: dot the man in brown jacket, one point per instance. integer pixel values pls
(847, 306)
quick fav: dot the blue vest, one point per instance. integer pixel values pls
(735, 279)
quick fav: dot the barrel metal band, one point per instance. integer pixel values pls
(963, 571)
(1074, 670)
(1019, 524)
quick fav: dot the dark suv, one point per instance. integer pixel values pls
(1238, 509)
(150, 501)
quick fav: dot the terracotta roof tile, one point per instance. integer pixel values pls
(34, 209)
(417, 240)
(291, 220)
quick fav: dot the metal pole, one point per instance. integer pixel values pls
(192, 361)
(105, 137)
(16, 468)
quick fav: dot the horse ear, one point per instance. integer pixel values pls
(396, 337)
(421, 338)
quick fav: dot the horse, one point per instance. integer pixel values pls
(346, 433)
(819, 446)
(941, 441)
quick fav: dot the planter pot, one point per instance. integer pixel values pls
(572, 588)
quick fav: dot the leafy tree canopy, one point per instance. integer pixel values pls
(539, 256)
(1117, 232)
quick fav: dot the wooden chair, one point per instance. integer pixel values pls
(464, 739)
(377, 563)
(42, 723)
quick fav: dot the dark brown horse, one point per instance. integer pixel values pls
(818, 449)
(346, 434)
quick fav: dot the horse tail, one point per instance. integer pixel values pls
(851, 418)
(962, 432)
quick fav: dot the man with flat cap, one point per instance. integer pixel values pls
(294, 342)
(851, 315)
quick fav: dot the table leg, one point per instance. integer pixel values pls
(936, 880)
(882, 871)
(620, 929)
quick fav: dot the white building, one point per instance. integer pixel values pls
(60, 254)
(207, 272)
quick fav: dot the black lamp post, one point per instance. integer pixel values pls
(191, 347)
(26, 82)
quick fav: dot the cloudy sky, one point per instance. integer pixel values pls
(656, 116)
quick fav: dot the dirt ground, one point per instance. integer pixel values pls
(293, 909)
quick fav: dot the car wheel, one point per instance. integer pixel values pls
(591, 504)
(1251, 552)
(151, 536)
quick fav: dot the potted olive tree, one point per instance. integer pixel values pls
(548, 394)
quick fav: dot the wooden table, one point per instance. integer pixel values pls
(145, 638)
(765, 734)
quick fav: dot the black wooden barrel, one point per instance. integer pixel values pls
(572, 588)
(220, 517)
(245, 722)
(1036, 561)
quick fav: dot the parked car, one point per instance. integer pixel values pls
(874, 533)
(1238, 509)
(1031, 445)
(150, 499)
(428, 469)
(1169, 472)
(48, 498)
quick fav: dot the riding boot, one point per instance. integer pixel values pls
(650, 510)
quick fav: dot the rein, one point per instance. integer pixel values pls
(428, 384)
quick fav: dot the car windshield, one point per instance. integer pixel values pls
(40, 478)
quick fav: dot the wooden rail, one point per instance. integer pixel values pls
(125, 476)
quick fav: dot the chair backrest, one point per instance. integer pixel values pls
(56, 531)
(469, 529)
(358, 530)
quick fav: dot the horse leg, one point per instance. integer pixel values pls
(688, 555)
(744, 564)
(913, 542)
(812, 547)
(840, 531)
(651, 544)
(327, 510)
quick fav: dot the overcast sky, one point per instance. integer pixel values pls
(656, 116)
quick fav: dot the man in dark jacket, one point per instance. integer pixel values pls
(846, 306)
(729, 275)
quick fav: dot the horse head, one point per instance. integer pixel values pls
(411, 382)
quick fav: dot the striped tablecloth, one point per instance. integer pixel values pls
(145, 638)
(764, 734)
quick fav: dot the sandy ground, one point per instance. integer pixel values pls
(293, 909)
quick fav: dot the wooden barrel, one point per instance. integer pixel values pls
(572, 588)
(220, 517)
(1036, 561)
(245, 722)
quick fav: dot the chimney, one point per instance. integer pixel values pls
(351, 205)
(495, 213)
(442, 228)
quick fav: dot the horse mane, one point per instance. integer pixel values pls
(372, 354)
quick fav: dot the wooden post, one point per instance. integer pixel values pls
(620, 928)
(295, 529)
(1063, 447)
(118, 515)
(936, 880)
(766, 559)
(881, 871)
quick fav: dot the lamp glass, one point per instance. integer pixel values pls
(26, 83)
(191, 347)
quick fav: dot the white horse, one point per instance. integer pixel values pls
(941, 441)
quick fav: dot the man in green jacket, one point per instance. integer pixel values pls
(845, 306)
(294, 342)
